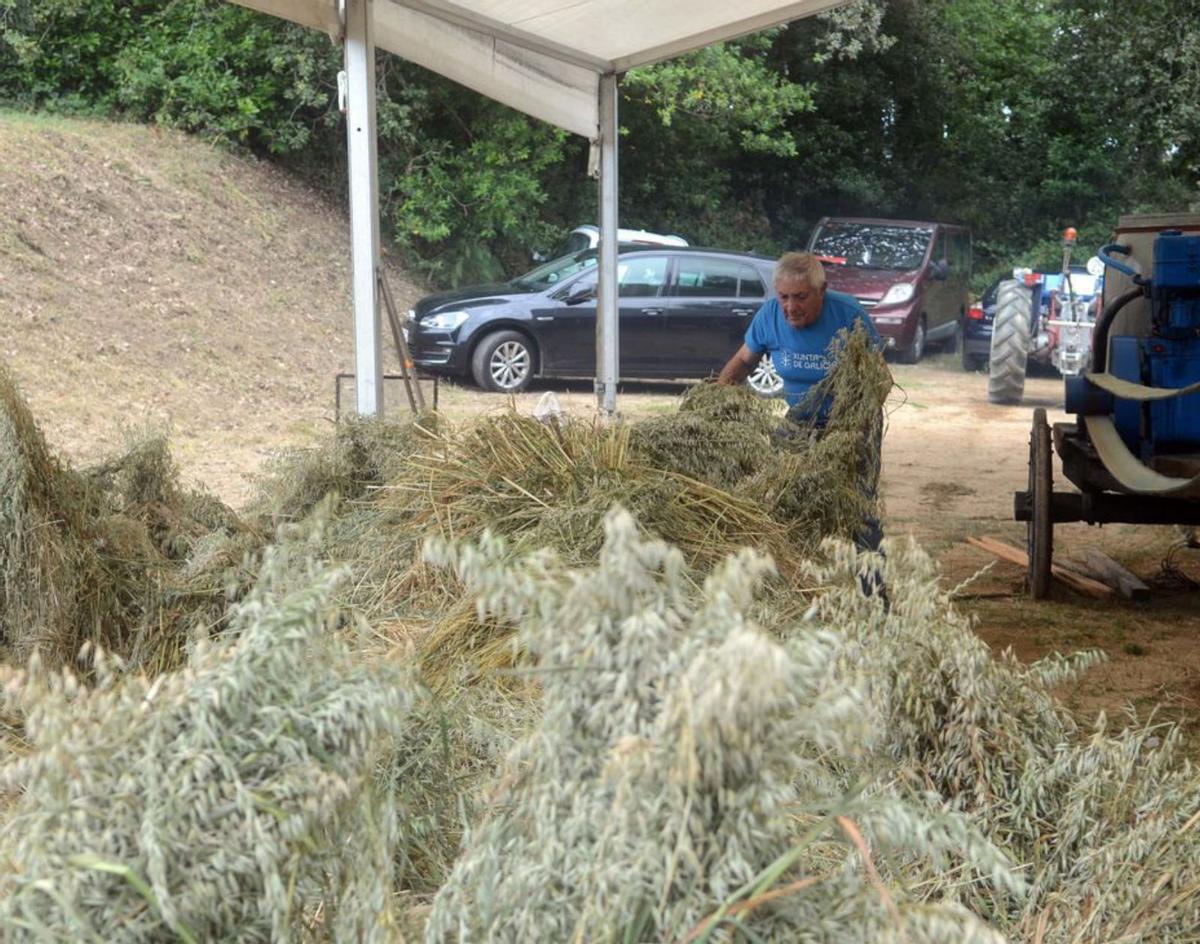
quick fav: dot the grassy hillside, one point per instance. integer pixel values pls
(146, 277)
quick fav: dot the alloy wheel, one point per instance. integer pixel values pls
(509, 365)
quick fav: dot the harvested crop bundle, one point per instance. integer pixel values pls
(234, 799)
(550, 485)
(818, 482)
(685, 769)
(363, 453)
(544, 485)
(142, 484)
(109, 556)
(719, 435)
(53, 594)
(1103, 825)
(821, 481)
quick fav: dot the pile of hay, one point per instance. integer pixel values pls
(122, 556)
(57, 587)
(804, 479)
(875, 775)
(605, 745)
(719, 435)
(238, 798)
(688, 776)
(104, 556)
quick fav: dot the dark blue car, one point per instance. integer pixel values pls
(683, 313)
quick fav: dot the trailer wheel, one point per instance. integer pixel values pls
(1040, 530)
(1010, 342)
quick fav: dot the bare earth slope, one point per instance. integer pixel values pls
(146, 277)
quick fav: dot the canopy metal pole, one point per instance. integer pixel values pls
(359, 50)
(607, 321)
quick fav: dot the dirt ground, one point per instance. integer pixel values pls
(951, 464)
(146, 279)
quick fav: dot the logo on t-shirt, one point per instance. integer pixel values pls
(802, 360)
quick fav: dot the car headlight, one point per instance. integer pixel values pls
(900, 292)
(445, 320)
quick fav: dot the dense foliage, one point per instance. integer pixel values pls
(1018, 118)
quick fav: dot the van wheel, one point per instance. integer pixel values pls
(503, 362)
(912, 353)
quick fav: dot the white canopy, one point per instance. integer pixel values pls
(554, 59)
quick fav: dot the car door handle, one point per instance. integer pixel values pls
(652, 311)
(743, 312)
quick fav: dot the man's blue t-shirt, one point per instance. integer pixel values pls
(801, 355)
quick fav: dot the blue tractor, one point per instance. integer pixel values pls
(1046, 317)
(1134, 449)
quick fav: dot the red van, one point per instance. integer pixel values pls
(912, 277)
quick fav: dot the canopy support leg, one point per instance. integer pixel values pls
(359, 51)
(607, 321)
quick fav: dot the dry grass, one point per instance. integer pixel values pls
(107, 556)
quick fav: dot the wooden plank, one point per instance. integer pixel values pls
(1116, 576)
(1077, 567)
(1014, 555)
(1078, 583)
(1000, 549)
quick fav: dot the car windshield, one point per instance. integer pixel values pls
(552, 272)
(871, 245)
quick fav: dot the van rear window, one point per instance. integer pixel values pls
(871, 246)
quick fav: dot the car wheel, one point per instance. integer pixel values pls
(912, 353)
(503, 362)
(764, 379)
(971, 361)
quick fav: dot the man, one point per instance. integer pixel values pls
(796, 328)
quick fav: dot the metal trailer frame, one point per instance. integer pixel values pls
(1101, 498)
(1040, 507)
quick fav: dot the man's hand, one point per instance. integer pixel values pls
(739, 367)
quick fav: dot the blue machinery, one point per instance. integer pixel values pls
(1134, 450)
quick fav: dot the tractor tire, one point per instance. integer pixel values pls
(1010, 343)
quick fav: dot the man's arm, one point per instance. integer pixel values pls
(738, 367)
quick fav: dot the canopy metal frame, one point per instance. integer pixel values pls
(558, 60)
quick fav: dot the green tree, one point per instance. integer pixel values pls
(61, 53)
(226, 71)
(1018, 118)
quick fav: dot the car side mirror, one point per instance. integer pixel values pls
(940, 270)
(581, 293)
